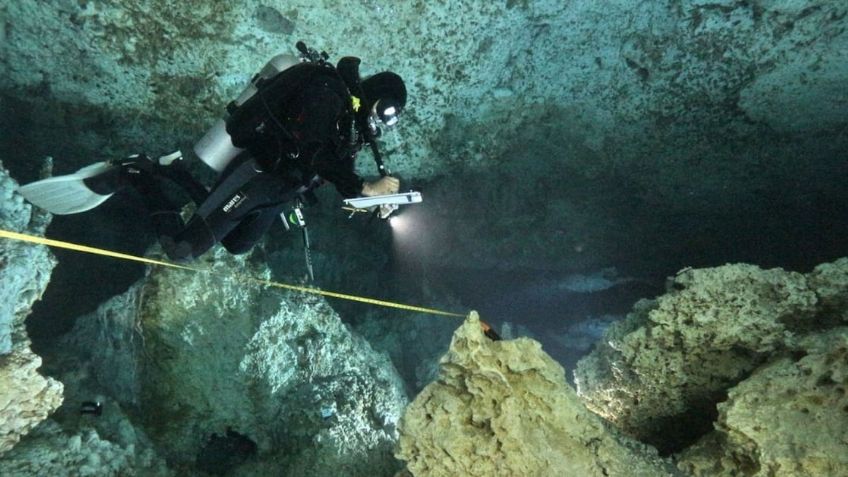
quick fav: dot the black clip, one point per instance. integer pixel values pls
(310, 54)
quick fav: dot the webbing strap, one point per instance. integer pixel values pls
(123, 256)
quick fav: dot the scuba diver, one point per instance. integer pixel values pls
(299, 123)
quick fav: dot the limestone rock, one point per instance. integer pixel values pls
(99, 361)
(676, 52)
(221, 351)
(26, 398)
(335, 401)
(95, 362)
(107, 346)
(414, 341)
(24, 268)
(658, 374)
(504, 408)
(50, 451)
(830, 282)
(71, 443)
(789, 84)
(790, 418)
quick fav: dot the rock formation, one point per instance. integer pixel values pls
(30, 443)
(743, 371)
(26, 397)
(789, 418)
(504, 408)
(52, 450)
(719, 341)
(181, 357)
(661, 371)
(201, 353)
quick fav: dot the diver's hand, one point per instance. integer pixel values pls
(386, 185)
(386, 210)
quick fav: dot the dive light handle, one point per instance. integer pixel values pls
(378, 158)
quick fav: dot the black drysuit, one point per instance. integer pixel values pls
(297, 132)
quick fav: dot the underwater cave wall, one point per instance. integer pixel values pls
(579, 124)
(163, 70)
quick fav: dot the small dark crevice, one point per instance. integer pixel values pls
(672, 434)
(808, 11)
(640, 70)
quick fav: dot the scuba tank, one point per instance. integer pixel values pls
(216, 147)
(251, 120)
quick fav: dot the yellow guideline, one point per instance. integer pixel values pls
(123, 256)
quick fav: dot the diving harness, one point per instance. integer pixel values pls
(218, 147)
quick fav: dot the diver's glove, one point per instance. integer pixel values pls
(385, 185)
(386, 210)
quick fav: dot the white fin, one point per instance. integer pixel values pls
(68, 194)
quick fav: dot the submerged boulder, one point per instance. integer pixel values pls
(789, 418)
(754, 362)
(26, 397)
(757, 354)
(504, 408)
(50, 450)
(658, 374)
(830, 281)
(201, 355)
